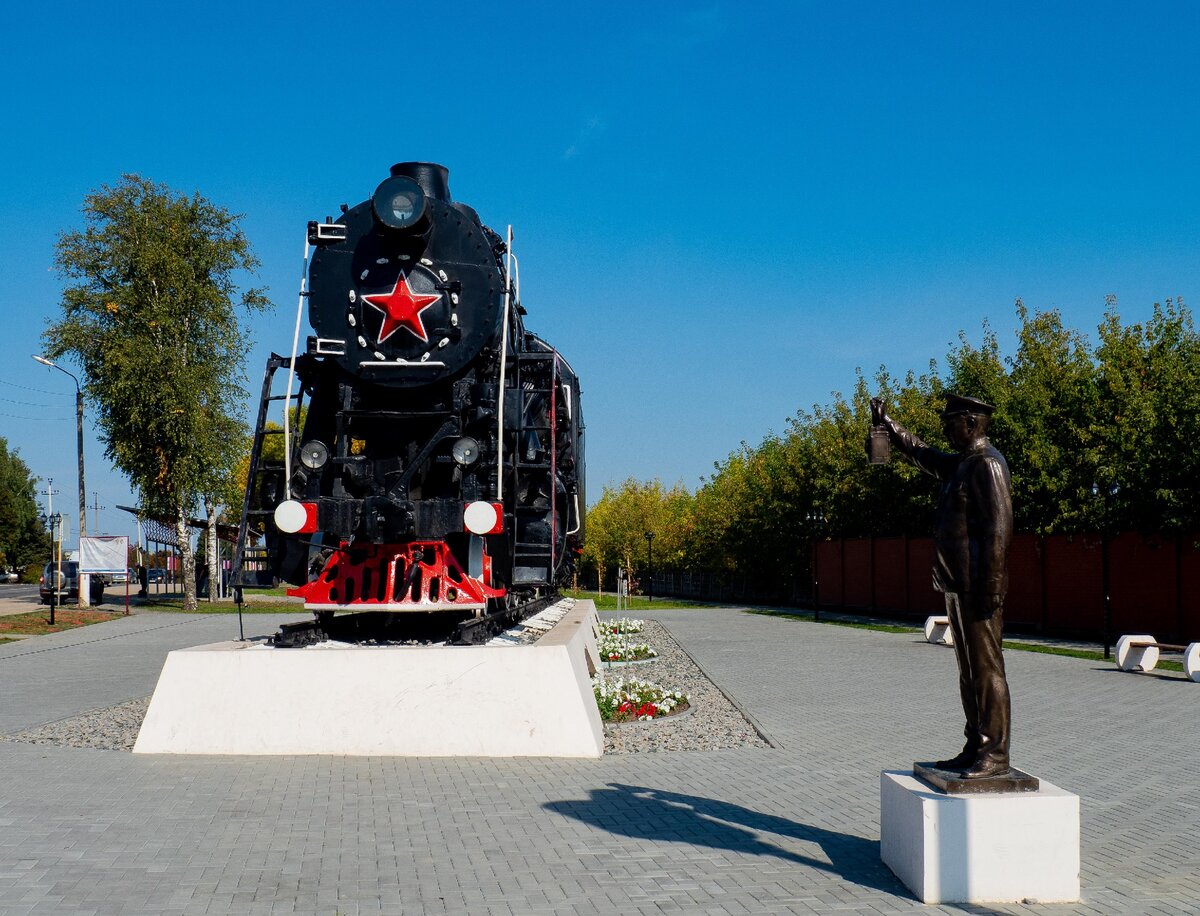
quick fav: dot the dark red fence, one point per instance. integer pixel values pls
(1056, 583)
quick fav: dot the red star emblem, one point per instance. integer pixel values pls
(401, 308)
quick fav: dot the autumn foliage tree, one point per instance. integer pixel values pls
(151, 313)
(620, 519)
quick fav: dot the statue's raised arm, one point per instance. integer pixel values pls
(931, 460)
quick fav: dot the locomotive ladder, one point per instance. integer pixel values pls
(250, 560)
(534, 561)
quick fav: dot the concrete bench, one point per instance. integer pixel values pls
(1140, 652)
(937, 630)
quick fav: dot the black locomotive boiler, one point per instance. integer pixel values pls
(433, 471)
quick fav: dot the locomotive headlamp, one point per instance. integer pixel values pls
(465, 451)
(399, 203)
(314, 454)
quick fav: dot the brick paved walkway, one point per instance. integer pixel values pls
(793, 829)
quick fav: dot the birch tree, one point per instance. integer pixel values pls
(152, 314)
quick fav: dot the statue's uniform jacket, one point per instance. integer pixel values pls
(970, 565)
(974, 516)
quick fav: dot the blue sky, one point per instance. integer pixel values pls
(721, 210)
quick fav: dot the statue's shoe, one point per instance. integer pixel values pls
(965, 758)
(986, 767)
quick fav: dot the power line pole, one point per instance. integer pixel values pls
(50, 493)
(96, 511)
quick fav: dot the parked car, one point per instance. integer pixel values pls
(121, 578)
(66, 577)
(9, 576)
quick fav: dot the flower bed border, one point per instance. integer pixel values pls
(621, 723)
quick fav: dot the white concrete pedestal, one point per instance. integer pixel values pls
(414, 701)
(986, 848)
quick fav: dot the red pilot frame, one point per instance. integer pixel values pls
(418, 576)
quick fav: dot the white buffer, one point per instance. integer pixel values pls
(412, 701)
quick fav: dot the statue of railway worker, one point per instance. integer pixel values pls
(970, 559)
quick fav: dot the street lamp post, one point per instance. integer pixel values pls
(650, 563)
(816, 522)
(1106, 492)
(53, 520)
(83, 580)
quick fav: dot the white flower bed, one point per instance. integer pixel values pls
(616, 648)
(626, 625)
(627, 699)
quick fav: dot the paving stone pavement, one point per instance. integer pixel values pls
(789, 829)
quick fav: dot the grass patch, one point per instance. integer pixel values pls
(175, 606)
(1163, 664)
(37, 623)
(608, 602)
(257, 605)
(1055, 650)
(1169, 666)
(4, 639)
(853, 624)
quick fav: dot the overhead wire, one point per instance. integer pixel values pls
(13, 416)
(4, 381)
(27, 403)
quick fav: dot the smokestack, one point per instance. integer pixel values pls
(433, 179)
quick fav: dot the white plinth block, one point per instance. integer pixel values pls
(1130, 657)
(937, 630)
(1191, 661)
(986, 848)
(414, 701)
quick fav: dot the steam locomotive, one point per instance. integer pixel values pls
(438, 471)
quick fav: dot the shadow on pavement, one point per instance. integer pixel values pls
(661, 816)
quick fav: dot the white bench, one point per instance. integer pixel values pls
(1140, 652)
(937, 630)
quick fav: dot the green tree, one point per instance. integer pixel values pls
(1145, 460)
(150, 314)
(1045, 427)
(24, 542)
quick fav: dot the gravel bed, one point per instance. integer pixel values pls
(711, 722)
(111, 729)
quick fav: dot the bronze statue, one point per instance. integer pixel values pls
(974, 528)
